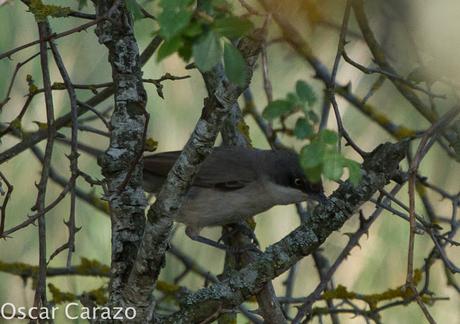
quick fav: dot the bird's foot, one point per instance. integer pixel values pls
(230, 249)
(242, 228)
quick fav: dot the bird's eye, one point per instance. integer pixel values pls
(297, 181)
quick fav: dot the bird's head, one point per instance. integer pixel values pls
(289, 173)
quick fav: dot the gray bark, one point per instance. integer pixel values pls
(150, 258)
(128, 120)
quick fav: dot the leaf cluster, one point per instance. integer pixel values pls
(321, 155)
(205, 34)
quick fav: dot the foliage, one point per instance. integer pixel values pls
(321, 156)
(201, 36)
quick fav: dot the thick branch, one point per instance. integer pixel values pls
(233, 133)
(160, 216)
(128, 124)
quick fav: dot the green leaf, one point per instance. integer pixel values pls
(169, 47)
(328, 136)
(277, 108)
(215, 8)
(185, 52)
(222, 4)
(207, 51)
(294, 99)
(333, 166)
(354, 170)
(313, 116)
(305, 92)
(134, 8)
(193, 30)
(174, 18)
(314, 174)
(206, 6)
(303, 129)
(312, 155)
(232, 27)
(235, 65)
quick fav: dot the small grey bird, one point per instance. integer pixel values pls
(234, 183)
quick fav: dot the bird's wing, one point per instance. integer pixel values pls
(224, 168)
(159, 164)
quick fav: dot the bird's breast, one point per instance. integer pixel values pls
(212, 207)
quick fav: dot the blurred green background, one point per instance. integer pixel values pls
(379, 264)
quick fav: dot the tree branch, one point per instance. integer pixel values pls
(150, 258)
(128, 124)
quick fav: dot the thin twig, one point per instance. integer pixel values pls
(9, 191)
(368, 70)
(40, 292)
(423, 147)
(364, 226)
(330, 89)
(59, 35)
(73, 157)
(13, 78)
(267, 83)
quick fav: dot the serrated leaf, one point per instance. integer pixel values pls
(134, 8)
(207, 51)
(354, 170)
(303, 129)
(277, 108)
(305, 92)
(312, 155)
(232, 27)
(328, 136)
(235, 65)
(174, 17)
(169, 47)
(333, 166)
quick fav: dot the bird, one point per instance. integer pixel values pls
(233, 183)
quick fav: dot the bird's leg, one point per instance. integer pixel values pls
(193, 233)
(243, 228)
(210, 242)
(224, 247)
